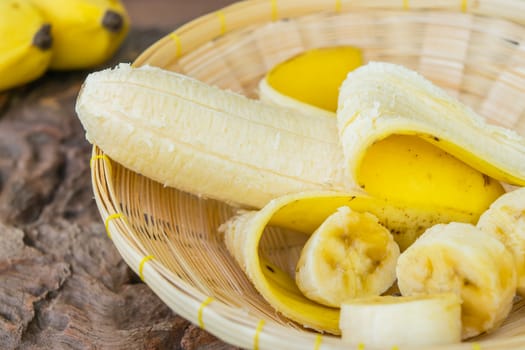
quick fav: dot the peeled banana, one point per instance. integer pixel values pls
(350, 255)
(505, 219)
(387, 322)
(461, 259)
(206, 141)
(86, 32)
(25, 47)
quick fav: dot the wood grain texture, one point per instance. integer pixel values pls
(63, 284)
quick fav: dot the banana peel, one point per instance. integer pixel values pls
(383, 99)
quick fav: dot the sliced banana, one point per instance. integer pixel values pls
(386, 322)
(461, 259)
(505, 219)
(350, 255)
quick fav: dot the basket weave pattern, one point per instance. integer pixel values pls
(473, 49)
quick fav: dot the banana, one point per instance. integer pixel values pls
(25, 52)
(86, 32)
(382, 99)
(200, 139)
(350, 255)
(387, 322)
(309, 82)
(505, 219)
(461, 259)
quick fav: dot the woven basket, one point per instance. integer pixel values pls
(473, 49)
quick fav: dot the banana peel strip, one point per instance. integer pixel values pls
(382, 99)
(303, 212)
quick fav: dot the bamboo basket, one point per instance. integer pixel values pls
(473, 49)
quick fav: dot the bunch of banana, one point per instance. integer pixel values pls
(25, 53)
(86, 32)
(56, 34)
(459, 258)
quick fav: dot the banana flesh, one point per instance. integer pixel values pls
(25, 53)
(385, 322)
(86, 32)
(505, 219)
(209, 142)
(459, 258)
(382, 99)
(350, 255)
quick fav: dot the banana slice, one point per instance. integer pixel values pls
(382, 99)
(461, 259)
(387, 322)
(505, 219)
(350, 255)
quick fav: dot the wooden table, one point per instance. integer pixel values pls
(63, 285)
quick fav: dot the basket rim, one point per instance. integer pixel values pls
(215, 316)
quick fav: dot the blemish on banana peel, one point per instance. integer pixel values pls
(486, 180)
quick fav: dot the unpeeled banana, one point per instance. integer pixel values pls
(350, 255)
(388, 322)
(505, 219)
(25, 53)
(461, 259)
(86, 32)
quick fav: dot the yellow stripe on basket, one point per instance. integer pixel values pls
(406, 4)
(318, 341)
(222, 21)
(338, 6)
(205, 303)
(141, 265)
(464, 5)
(258, 331)
(98, 156)
(178, 44)
(108, 220)
(476, 346)
(275, 13)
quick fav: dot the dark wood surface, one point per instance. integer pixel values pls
(63, 285)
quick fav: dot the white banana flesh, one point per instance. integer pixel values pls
(350, 255)
(505, 219)
(461, 259)
(206, 141)
(381, 99)
(385, 322)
